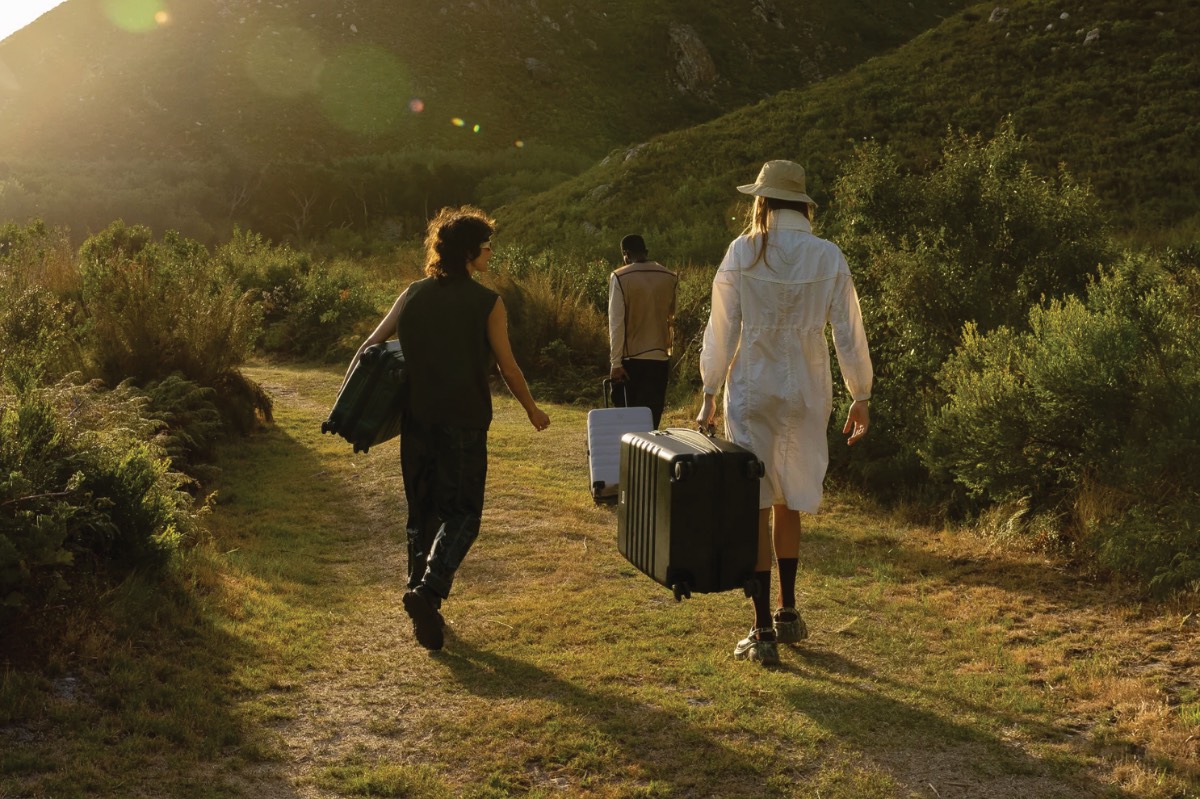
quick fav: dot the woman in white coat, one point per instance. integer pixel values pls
(776, 290)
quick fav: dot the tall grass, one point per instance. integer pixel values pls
(559, 335)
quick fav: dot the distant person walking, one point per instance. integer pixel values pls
(641, 318)
(777, 289)
(450, 328)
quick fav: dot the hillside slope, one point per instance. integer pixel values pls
(1109, 90)
(310, 79)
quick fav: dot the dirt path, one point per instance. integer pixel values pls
(365, 701)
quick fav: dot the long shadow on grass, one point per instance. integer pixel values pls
(156, 712)
(840, 556)
(919, 748)
(663, 747)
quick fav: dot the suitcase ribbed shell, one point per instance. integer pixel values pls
(687, 514)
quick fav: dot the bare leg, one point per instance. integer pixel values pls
(786, 532)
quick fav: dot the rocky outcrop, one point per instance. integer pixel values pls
(694, 66)
(538, 70)
(766, 11)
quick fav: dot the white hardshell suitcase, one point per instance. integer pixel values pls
(605, 426)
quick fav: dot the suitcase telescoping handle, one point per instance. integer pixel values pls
(607, 384)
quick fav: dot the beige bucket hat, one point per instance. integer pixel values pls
(783, 180)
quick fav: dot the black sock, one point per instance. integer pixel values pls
(762, 601)
(787, 582)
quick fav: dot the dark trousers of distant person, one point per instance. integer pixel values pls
(645, 386)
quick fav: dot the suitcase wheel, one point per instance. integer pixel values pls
(324, 427)
(750, 587)
(756, 469)
(683, 470)
(682, 591)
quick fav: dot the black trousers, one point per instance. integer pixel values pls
(445, 469)
(646, 386)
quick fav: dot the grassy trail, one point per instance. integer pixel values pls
(934, 668)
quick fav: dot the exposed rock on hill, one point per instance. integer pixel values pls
(693, 64)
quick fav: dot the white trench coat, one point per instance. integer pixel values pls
(765, 341)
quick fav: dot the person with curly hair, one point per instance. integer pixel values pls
(450, 329)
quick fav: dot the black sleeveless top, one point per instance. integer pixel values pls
(443, 332)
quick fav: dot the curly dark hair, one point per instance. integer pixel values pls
(453, 240)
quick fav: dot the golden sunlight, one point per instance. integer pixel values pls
(285, 63)
(364, 90)
(16, 14)
(135, 16)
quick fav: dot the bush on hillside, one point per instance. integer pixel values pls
(38, 255)
(191, 420)
(155, 309)
(978, 240)
(309, 309)
(83, 486)
(38, 342)
(1097, 398)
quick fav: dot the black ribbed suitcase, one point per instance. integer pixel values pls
(687, 515)
(369, 408)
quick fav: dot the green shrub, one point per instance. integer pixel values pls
(1097, 398)
(977, 240)
(38, 255)
(309, 309)
(1160, 544)
(191, 423)
(155, 309)
(583, 279)
(559, 337)
(322, 305)
(37, 336)
(82, 486)
(37, 342)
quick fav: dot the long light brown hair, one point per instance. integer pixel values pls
(758, 219)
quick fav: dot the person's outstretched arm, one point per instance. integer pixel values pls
(497, 328)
